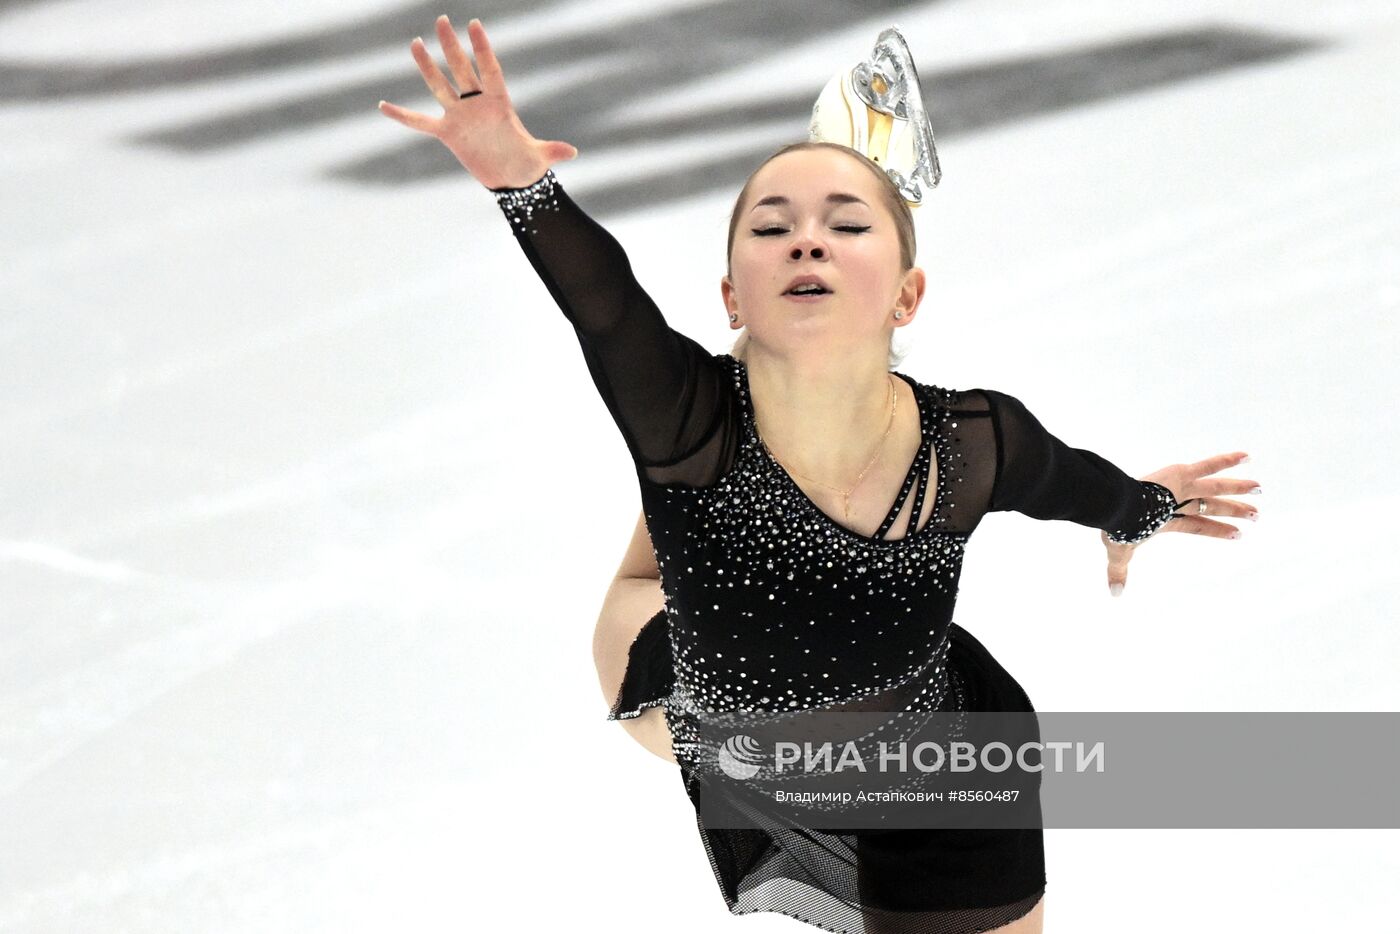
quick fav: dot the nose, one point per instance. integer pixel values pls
(808, 237)
(812, 245)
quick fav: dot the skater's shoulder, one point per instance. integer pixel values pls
(955, 401)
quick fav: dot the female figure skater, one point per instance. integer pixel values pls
(782, 595)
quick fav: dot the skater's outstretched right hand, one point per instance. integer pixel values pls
(1193, 486)
(482, 130)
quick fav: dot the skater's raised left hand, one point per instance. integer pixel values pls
(1191, 482)
(479, 124)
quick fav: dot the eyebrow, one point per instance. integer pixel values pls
(837, 197)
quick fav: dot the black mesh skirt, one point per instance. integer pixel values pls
(902, 881)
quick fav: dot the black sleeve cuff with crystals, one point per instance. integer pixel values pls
(1161, 506)
(520, 204)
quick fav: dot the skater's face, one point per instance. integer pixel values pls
(818, 213)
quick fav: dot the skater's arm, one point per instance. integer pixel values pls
(667, 394)
(630, 605)
(639, 561)
(1039, 475)
(633, 599)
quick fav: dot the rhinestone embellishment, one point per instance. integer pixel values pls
(520, 204)
(1162, 507)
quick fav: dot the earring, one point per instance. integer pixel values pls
(733, 318)
(898, 314)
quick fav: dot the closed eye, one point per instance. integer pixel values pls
(774, 231)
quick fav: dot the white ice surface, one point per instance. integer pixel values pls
(307, 506)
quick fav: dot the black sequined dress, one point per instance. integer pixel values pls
(771, 605)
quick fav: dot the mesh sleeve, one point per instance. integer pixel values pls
(670, 397)
(1040, 476)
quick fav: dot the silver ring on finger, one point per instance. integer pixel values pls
(1201, 509)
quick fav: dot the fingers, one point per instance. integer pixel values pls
(1225, 486)
(432, 75)
(457, 58)
(492, 80)
(1217, 463)
(1118, 558)
(409, 118)
(558, 151)
(1216, 506)
(1200, 525)
(1197, 472)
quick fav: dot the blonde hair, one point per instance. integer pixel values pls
(889, 194)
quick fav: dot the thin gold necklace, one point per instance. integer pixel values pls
(845, 494)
